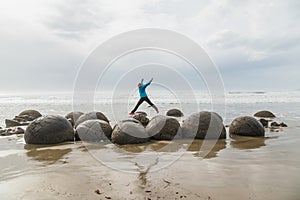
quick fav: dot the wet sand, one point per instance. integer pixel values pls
(236, 168)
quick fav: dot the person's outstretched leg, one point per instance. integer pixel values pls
(151, 104)
(137, 106)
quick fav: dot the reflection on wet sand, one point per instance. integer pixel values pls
(243, 142)
(131, 148)
(165, 146)
(206, 148)
(47, 154)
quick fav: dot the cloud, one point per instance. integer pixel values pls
(243, 37)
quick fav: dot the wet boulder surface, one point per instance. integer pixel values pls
(264, 114)
(163, 128)
(89, 116)
(204, 125)
(23, 119)
(129, 132)
(73, 116)
(50, 129)
(246, 126)
(174, 113)
(94, 130)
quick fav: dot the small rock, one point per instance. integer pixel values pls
(283, 124)
(97, 191)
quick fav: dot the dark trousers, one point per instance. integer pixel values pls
(141, 101)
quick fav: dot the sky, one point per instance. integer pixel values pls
(255, 44)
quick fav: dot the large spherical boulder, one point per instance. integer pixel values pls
(50, 129)
(94, 130)
(246, 126)
(204, 125)
(91, 115)
(174, 113)
(73, 116)
(141, 117)
(163, 128)
(34, 114)
(264, 113)
(128, 132)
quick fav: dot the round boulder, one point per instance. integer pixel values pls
(94, 130)
(141, 112)
(204, 125)
(141, 118)
(174, 113)
(264, 113)
(89, 116)
(33, 114)
(264, 122)
(129, 132)
(73, 116)
(50, 129)
(163, 128)
(246, 126)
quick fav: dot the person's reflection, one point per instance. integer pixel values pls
(206, 148)
(165, 146)
(244, 142)
(46, 154)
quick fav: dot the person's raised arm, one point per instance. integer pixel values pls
(142, 81)
(149, 82)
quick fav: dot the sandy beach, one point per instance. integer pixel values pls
(244, 168)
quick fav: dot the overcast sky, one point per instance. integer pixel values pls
(255, 44)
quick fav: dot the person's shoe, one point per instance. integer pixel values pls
(131, 113)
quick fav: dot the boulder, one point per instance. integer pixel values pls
(264, 113)
(174, 113)
(283, 124)
(264, 122)
(91, 115)
(163, 128)
(128, 132)
(94, 130)
(246, 126)
(204, 125)
(13, 123)
(73, 116)
(11, 131)
(50, 129)
(141, 112)
(23, 119)
(141, 117)
(34, 114)
(275, 124)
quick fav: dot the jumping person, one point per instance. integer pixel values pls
(143, 96)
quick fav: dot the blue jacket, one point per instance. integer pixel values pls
(142, 89)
